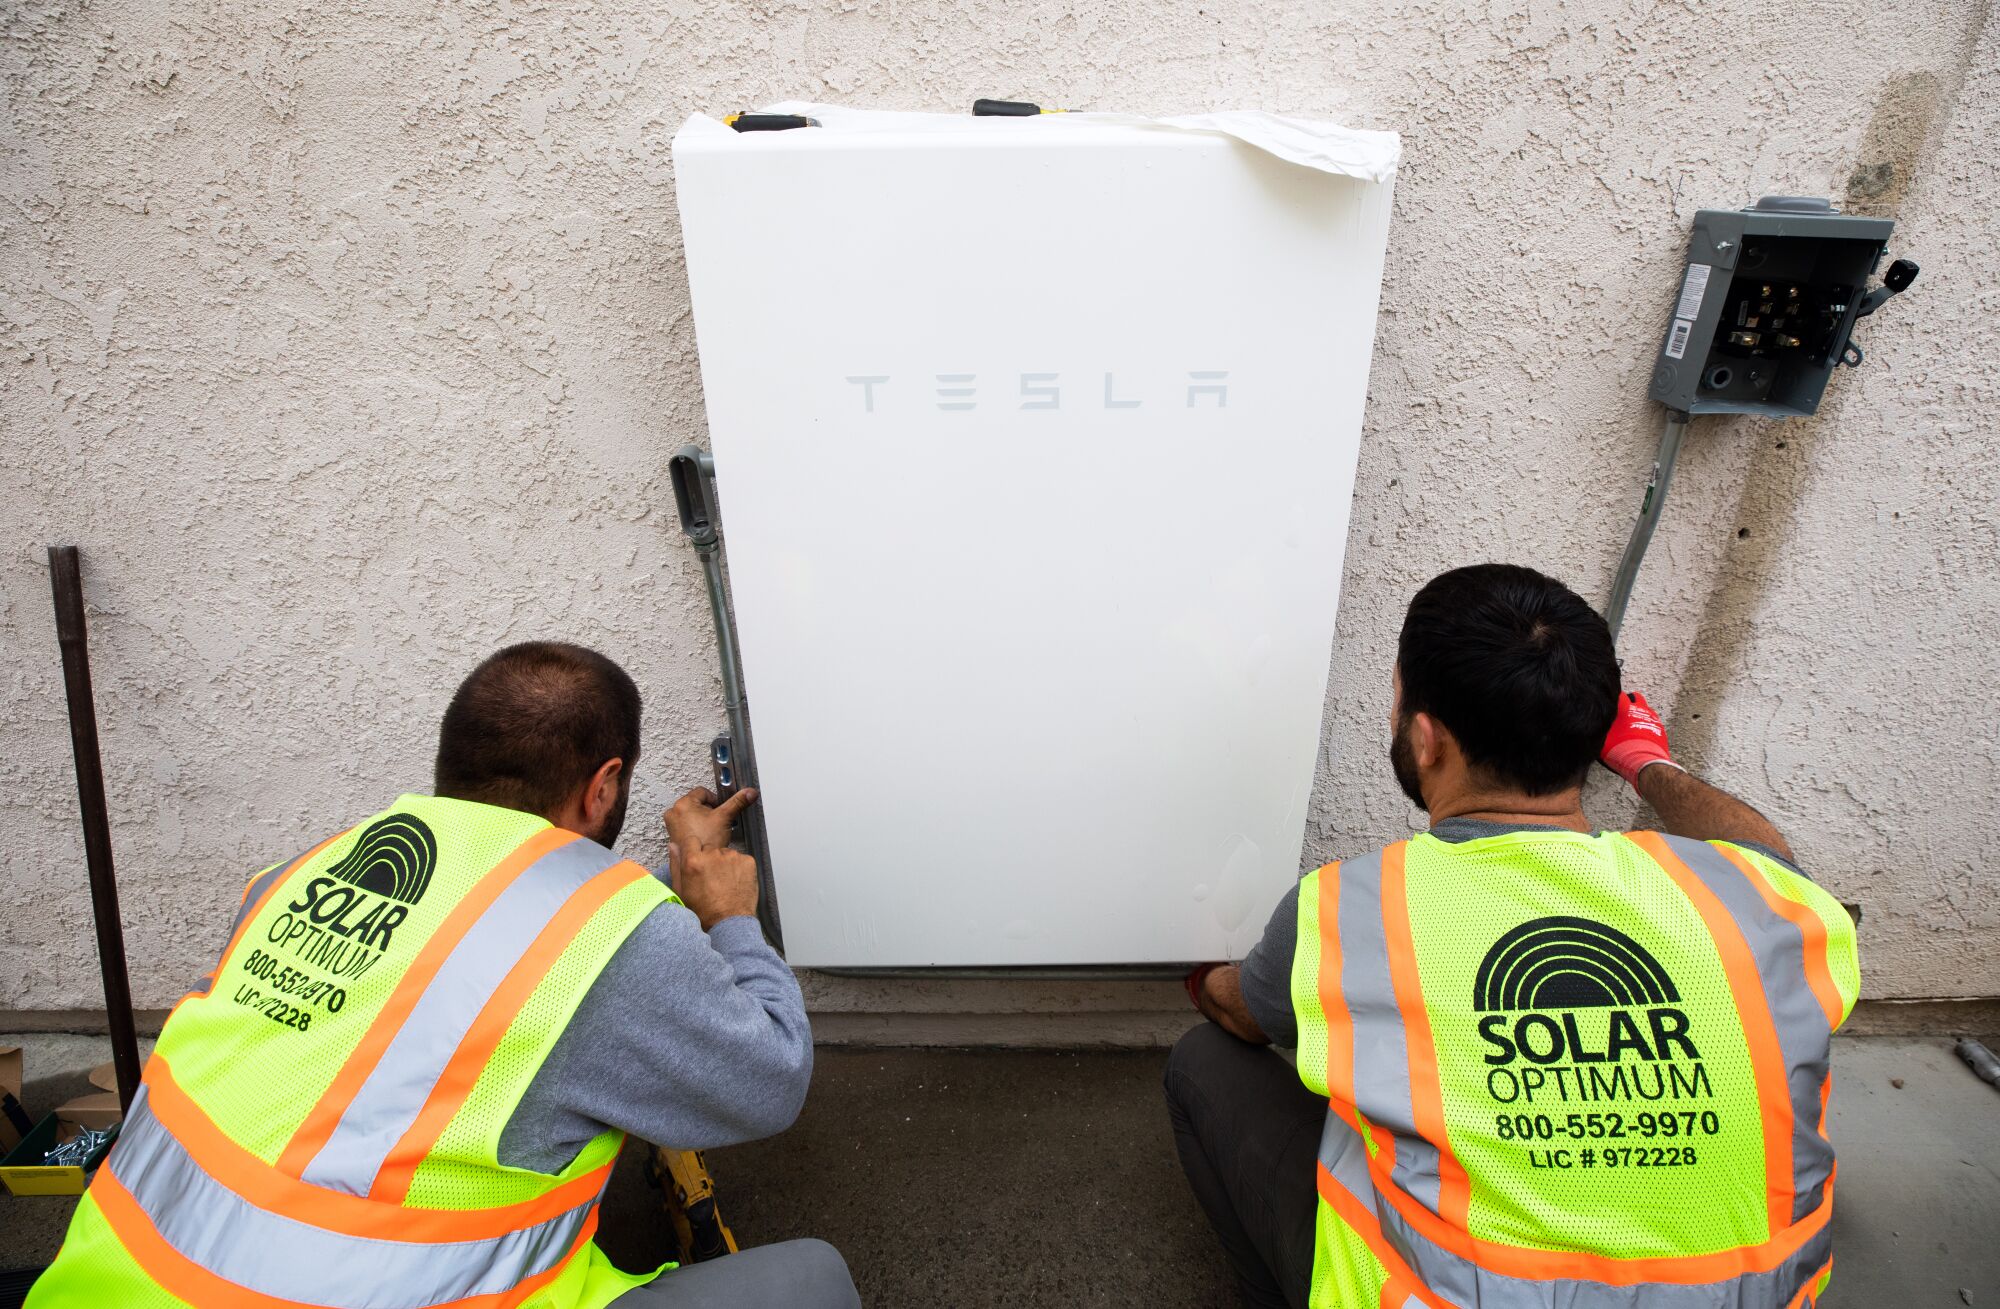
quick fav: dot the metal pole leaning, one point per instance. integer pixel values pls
(692, 470)
(66, 578)
(1649, 518)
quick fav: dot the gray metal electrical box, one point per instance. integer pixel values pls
(1766, 305)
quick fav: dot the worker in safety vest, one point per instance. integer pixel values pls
(406, 1081)
(1542, 1065)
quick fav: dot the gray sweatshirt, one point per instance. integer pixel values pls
(687, 1039)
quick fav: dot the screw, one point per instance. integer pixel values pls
(76, 1151)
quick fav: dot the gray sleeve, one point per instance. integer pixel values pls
(687, 1039)
(1267, 974)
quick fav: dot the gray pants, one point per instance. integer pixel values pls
(804, 1274)
(1248, 1134)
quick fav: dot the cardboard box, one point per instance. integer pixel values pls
(99, 1109)
(22, 1167)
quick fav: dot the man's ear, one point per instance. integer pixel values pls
(1427, 739)
(600, 793)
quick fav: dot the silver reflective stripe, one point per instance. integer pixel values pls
(1381, 1045)
(215, 1228)
(1459, 1281)
(255, 894)
(394, 1093)
(1345, 1155)
(252, 897)
(1804, 1039)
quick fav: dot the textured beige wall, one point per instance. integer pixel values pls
(350, 342)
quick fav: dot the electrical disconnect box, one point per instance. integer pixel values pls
(1766, 312)
(1767, 306)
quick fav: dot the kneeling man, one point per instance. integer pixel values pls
(1538, 1064)
(405, 1083)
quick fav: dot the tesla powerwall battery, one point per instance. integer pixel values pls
(1035, 440)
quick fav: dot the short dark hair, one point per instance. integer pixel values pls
(532, 723)
(1518, 668)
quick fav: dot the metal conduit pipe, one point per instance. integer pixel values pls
(692, 470)
(1649, 518)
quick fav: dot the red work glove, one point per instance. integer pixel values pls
(1637, 738)
(1196, 976)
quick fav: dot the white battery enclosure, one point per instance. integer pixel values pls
(1035, 442)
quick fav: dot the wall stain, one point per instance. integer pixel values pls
(1898, 138)
(1897, 130)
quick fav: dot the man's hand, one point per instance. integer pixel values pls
(1687, 806)
(1217, 990)
(697, 822)
(717, 883)
(709, 877)
(1637, 738)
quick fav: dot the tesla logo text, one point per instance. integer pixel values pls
(959, 392)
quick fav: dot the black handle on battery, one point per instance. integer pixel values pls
(1004, 109)
(769, 122)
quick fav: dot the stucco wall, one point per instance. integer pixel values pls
(350, 341)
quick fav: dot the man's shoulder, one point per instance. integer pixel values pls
(1761, 856)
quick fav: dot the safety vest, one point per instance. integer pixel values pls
(320, 1122)
(1570, 1070)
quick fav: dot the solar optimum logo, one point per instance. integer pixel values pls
(349, 913)
(394, 857)
(1577, 1011)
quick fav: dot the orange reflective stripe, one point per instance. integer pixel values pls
(334, 1211)
(236, 937)
(1809, 1293)
(179, 1276)
(1339, 1019)
(1774, 1096)
(1332, 1001)
(243, 922)
(1818, 975)
(1549, 1265)
(244, 926)
(1396, 1292)
(1366, 1226)
(324, 1116)
(1426, 1090)
(475, 1050)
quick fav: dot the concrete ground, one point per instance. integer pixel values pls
(956, 1177)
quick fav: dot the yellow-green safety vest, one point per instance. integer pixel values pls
(1586, 1072)
(319, 1124)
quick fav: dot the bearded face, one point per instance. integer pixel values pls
(1403, 758)
(614, 822)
